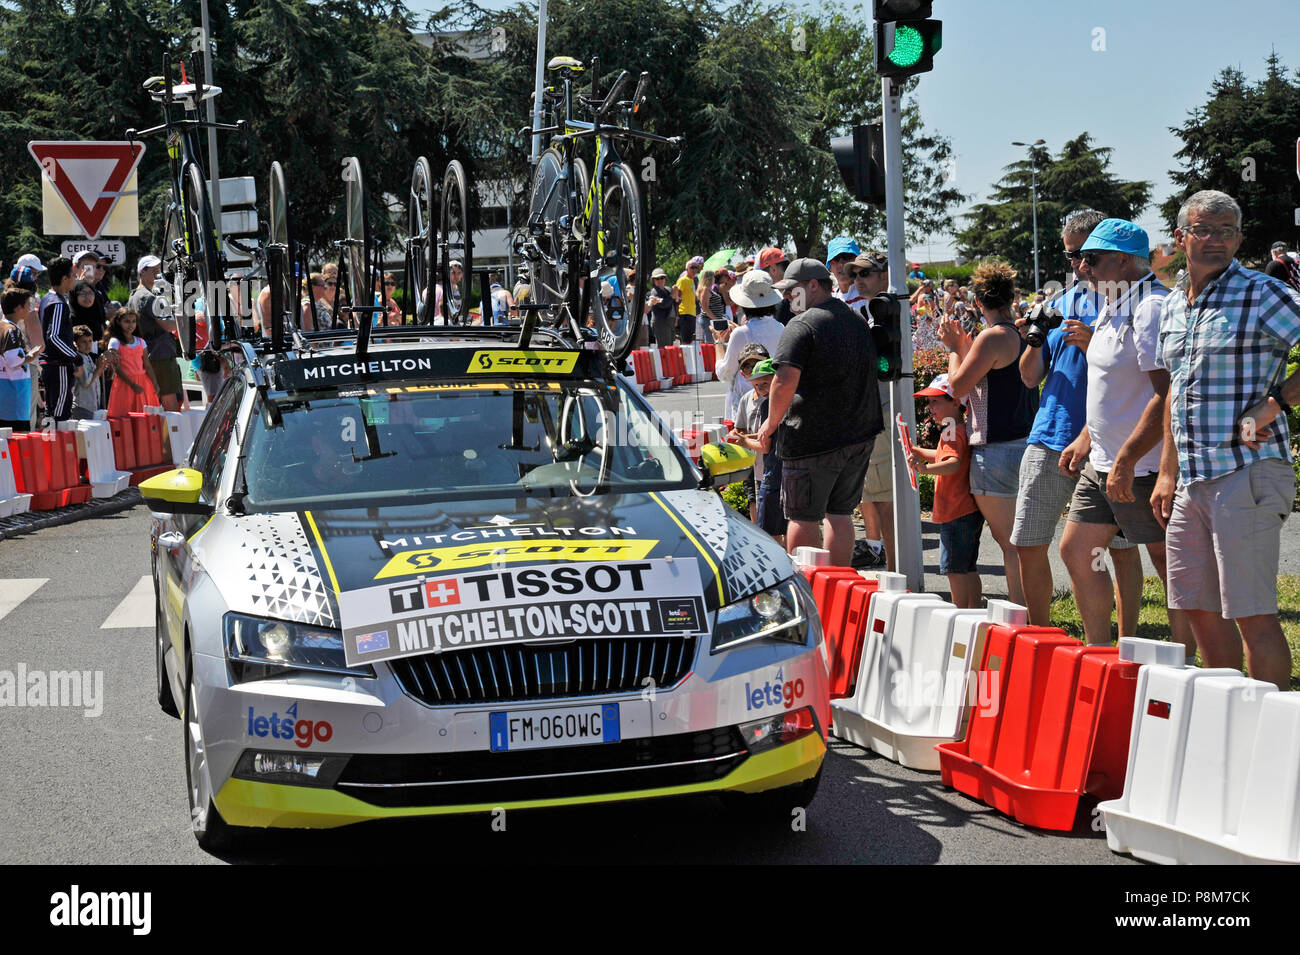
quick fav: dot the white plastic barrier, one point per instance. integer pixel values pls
(11, 502)
(694, 363)
(196, 416)
(1213, 771)
(632, 383)
(811, 557)
(913, 689)
(178, 434)
(95, 447)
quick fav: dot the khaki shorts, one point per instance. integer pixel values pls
(878, 485)
(1224, 540)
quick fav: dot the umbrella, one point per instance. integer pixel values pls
(719, 260)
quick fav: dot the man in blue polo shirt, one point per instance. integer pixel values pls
(1061, 367)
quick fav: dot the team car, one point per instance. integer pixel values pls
(457, 572)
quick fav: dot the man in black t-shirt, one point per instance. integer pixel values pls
(1283, 266)
(824, 411)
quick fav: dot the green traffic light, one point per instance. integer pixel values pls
(909, 47)
(884, 364)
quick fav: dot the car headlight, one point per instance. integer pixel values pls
(258, 648)
(776, 614)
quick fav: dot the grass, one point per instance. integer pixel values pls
(1153, 618)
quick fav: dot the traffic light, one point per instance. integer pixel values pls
(887, 332)
(906, 38)
(861, 158)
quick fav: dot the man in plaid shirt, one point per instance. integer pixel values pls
(1226, 483)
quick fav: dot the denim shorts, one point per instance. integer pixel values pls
(959, 544)
(995, 468)
(771, 518)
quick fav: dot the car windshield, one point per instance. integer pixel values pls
(402, 441)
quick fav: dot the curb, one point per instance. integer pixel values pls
(37, 520)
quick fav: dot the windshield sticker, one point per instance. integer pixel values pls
(502, 528)
(527, 362)
(465, 556)
(507, 606)
(478, 386)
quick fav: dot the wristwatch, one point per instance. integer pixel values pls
(1276, 394)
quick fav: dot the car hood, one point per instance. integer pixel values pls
(292, 565)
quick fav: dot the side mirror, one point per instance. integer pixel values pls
(727, 463)
(175, 492)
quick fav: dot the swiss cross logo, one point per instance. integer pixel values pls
(89, 177)
(441, 593)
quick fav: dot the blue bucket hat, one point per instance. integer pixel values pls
(840, 245)
(1118, 235)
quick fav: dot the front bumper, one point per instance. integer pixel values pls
(409, 759)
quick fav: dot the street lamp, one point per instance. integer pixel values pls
(1033, 173)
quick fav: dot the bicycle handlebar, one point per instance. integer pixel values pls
(639, 96)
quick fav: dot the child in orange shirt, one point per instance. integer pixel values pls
(959, 519)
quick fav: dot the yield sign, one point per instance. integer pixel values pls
(88, 176)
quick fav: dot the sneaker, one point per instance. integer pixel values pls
(866, 557)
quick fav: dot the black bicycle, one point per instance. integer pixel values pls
(587, 238)
(193, 261)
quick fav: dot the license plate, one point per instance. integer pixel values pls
(540, 729)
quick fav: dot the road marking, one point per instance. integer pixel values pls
(135, 610)
(16, 590)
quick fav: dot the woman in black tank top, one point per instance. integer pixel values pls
(986, 371)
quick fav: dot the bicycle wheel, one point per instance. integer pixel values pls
(458, 245)
(548, 205)
(616, 259)
(201, 242)
(360, 287)
(423, 239)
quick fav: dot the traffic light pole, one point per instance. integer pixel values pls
(907, 503)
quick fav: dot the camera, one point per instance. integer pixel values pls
(719, 324)
(1042, 318)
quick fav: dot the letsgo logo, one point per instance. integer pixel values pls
(468, 556)
(535, 362)
(303, 732)
(774, 692)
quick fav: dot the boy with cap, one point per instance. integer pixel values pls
(766, 512)
(959, 519)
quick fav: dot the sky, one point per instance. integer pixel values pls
(1123, 70)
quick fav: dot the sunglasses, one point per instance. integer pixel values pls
(390, 285)
(1073, 256)
(1094, 256)
(862, 273)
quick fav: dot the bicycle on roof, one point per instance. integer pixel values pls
(193, 258)
(587, 238)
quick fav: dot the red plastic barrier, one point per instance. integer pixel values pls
(71, 462)
(643, 367)
(148, 439)
(710, 356)
(848, 614)
(123, 443)
(1059, 729)
(30, 473)
(673, 364)
(823, 580)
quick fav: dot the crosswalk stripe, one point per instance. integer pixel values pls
(15, 590)
(135, 610)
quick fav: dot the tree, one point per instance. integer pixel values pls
(1078, 177)
(1242, 142)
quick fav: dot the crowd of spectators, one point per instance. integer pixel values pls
(1145, 417)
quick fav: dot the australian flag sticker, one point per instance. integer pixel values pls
(370, 642)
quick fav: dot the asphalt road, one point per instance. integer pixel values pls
(110, 788)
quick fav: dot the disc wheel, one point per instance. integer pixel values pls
(456, 233)
(421, 233)
(360, 286)
(203, 264)
(616, 253)
(549, 273)
(282, 234)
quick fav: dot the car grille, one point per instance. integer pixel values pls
(461, 778)
(533, 672)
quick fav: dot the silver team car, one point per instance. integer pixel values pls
(452, 574)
